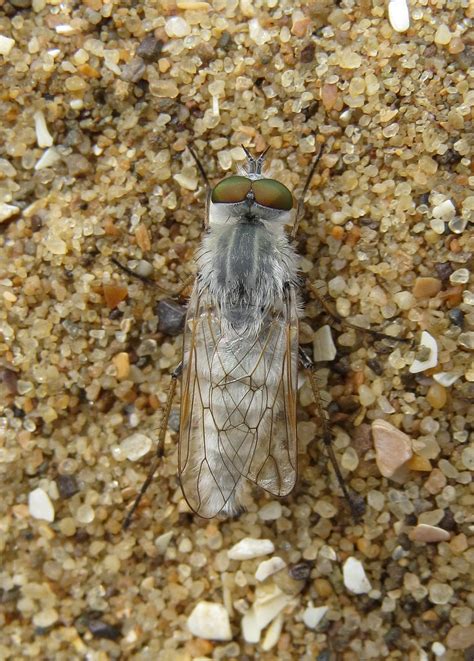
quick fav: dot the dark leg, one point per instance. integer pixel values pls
(356, 503)
(300, 207)
(160, 448)
(172, 293)
(375, 333)
(203, 174)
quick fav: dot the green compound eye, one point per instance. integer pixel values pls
(271, 193)
(231, 190)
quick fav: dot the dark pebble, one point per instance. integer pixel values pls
(450, 157)
(362, 439)
(448, 522)
(101, 629)
(9, 379)
(67, 486)
(300, 571)
(375, 366)
(173, 420)
(457, 317)
(307, 54)
(225, 40)
(133, 71)
(150, 49)
(444, 270)
(171, 316)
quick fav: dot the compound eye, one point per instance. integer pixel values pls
(231, 190)
(271, 193)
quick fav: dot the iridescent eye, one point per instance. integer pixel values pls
(273, 194)
(231, 190)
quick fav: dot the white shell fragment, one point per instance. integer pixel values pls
(268, 567)
(40, 505)
(355, 578)
(273, 633)
(43, 136)
(48, 159)
(392, 447)
(399, 15)
(446, 210)
(266, 607)
(430, 345)
(6, 44)
(270, 511)
(446, 378)
(323, 344)
(136, 446)
(249, 548)
(7, 211)
(313, 615)
(210, 621)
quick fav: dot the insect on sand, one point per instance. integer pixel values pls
(241, 353)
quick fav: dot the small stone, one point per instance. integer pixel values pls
(268, 567)
(249, 548)
(43, 136)
(101, 629)
(67, 486)
(258, 34)
(445, 210)
(329, 94)
(122, 365)
(270, 511)
(77, 165)
(428, 350)
(419, 463)
(323, 344)
(133, 71)
(436, 396)
(446, 379)
(460, 637)
(177, 27)
(273, 633)
(440, 593)
(459, 277)
(436, 481)
(6, 44)
(466, 340)
(55, 245)
(40, 505)
(136, 446)
(442, 35)
(150, 48)
(426, 287)
(438, 649)
(312, 615)
(354, 576)
(171, 317)
(84, 514)
(8, 211)
(392, 447)
(162, 541)
(399, 15)
(349, 59)
(45, 618)
(210, 621)
(186, 182)
(425, 533)
(350, 459)
(114, 294)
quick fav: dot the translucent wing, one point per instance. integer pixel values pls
(238, 408)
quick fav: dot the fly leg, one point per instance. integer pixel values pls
(207, 184)
(356, 503)
(160, 448)
(172, 293)
(379, 335)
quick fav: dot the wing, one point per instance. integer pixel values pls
(238, 408)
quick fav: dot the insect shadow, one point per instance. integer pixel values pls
(241, 351)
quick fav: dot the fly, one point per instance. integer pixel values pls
(241, 353)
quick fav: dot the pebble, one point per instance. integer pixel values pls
(438, 649)
(428, 349)
(446, 378)
(467, 458)
(43, 136)
(45, 618)
(426, 533)
(459, 277)
(440, 593)
(177, 27)
(442, 35)
(84, 514)
(171, 316)
(270, 511)
(189, 183)
(323, 344)
(392, 447)
(101, 629)
(249, 548)
(114, 294)
(257, 33)
(40, 505)
(354, 576)
(426, 287)
(312, 615)
(399, 15)
(466, 340)
(136, 446)
(48, 159)
(460, 637)
(210, 621)
(67, 486)
(267, 606)
(268, 567)
(6, 44)
(7, 211)
(349, 59)
(122, 365)
(445, 210)
(436, 396)
(273, 633)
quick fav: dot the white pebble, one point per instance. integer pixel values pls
(323, 344)
(210, 621)
(162, 541)
(399, 15)
(268, 567)
(446, 378)
(438, 649)
(355, 578)
(6, 44)
(249, 548)
(49, 158)
(189, 183)
(270, 511)
(45, 618)
(257, 33)
(43, 136)
(7, 211)
(40, 505)
(266, 607)
(313, 615)
(176, 26)
(136, 446)
(273, 633)
(429, 343)
(446, 210)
